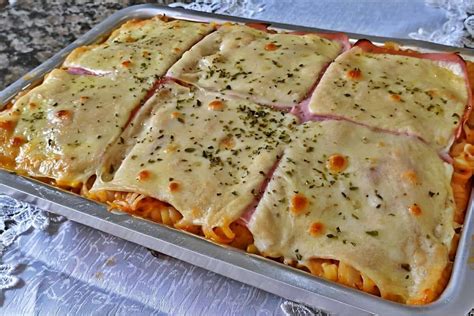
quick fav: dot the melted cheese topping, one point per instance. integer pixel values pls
(66, 123)
(144, 48)
(206, 156)
(272, 69)
(398, 93)
(388, 213)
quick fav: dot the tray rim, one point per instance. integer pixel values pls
(337, 295)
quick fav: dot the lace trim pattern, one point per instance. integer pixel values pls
(18, 217)
(290, 308)
(458, 30)
(15, 219)
(242, 8)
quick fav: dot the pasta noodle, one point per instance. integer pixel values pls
(462, 152)
(235, 233)
(139, 205)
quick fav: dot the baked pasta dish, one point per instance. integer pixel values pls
(352, 162)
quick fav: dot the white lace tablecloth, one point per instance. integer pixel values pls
(72, 269)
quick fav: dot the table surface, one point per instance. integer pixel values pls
(73, 269)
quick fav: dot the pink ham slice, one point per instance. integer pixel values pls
(302, 109)
(338, 37)
(81, 71)
(303, 113)
(244, 219)
(369, 47)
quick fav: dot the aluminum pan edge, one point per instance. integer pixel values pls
(259, 272)
(233, 263)
(149, 10)
(254, 270)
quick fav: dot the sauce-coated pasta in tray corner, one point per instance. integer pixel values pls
(349, 160)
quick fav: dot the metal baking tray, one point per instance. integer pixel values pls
(290, 283)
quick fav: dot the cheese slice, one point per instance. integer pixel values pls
(65, 124)
(379, 202)
(273, 69)
(403, 94)
(206, 156)
(144, 48)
